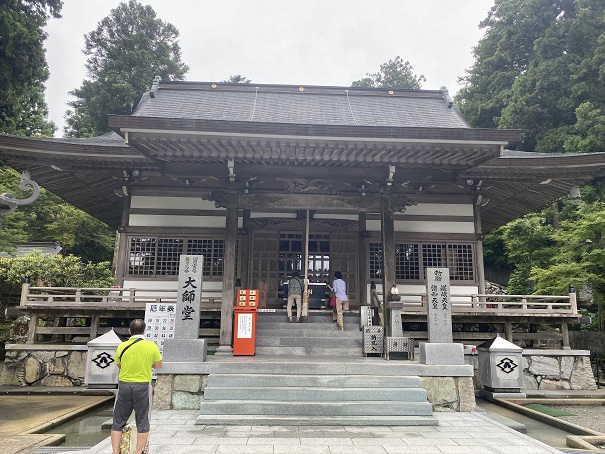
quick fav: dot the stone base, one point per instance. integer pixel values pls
(185, 350)
(490, 396)
(441, 353)
(224, 350)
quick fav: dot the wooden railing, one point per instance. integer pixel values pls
(507, 304)
(105, 298)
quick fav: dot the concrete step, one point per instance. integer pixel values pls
(311, 351)
(314, 394)
(335, 409)
(321, 381)
(325, 332)
(282, 420)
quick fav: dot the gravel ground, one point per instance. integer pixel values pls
(589, 416)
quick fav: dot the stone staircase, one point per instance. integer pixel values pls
(326, 387)
(319, 337)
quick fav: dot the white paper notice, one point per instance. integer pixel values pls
(244, 326)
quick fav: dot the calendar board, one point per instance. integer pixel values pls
(160, 320)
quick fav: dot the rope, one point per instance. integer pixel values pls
(350, 108)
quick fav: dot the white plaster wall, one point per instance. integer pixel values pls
(175, 203)
(441, 209)
(256, 215)
(160, 220)
(425, 226)
(348, 217)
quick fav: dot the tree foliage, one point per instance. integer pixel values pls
(50, 218)
(23, 68)
(55, 271)
(393, 74)
(124, 53)
(237, 79)
(541, 68)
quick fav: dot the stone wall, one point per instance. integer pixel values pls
(53, 367)
(558, 372)
(179, 392)
(551, 369)
(450, 393)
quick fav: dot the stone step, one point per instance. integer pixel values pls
(332, 381)
(282, 420)
(335, 409)
(314, 394)
(311, 351)
(327, 342)
(330, 327)
(353, 333)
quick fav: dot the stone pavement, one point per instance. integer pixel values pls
(468, 433)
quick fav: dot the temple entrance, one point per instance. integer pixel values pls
(276, 254)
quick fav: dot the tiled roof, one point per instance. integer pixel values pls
(313, 106)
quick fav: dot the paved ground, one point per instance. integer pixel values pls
(24, 415)
(176, 432)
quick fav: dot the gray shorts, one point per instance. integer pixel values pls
(132, 396)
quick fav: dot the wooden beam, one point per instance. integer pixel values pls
(388, 258)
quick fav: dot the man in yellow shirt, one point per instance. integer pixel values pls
(135, 358)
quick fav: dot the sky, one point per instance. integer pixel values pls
(308, 42)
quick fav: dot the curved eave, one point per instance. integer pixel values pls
(190, 140)
(514, 186)
(72, 154)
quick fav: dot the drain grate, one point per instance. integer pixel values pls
(57, 449)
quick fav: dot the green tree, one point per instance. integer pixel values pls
(237, 79)
(52, 219)
(539, 68)
(55, 271)
(23, 67)
(124, 53)
(393, 74)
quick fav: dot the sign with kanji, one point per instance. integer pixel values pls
(189, 294)
(160, 319)
(439, 310)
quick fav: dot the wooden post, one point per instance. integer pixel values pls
(31, 331)
(229, 275)
(565, 334)
(94, 326)
(244, 263)
(509, 330)
(479, 268)
(24, 294)
(388, 259)
(362, 275)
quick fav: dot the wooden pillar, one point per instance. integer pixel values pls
(122, 248)
(244, 264)
(363, 273)
(94, 326)
(226, 333)
(565, 334)
(509, 330)
(388, 258)
(479, 265)
(31, 331)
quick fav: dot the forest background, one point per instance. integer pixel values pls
(540, 67)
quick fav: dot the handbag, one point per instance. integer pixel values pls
(345, 305)
(332, 302)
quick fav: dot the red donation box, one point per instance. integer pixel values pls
(244, 321)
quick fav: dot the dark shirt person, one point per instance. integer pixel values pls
(135, 358)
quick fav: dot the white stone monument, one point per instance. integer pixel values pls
(440, 348)
(186, 345)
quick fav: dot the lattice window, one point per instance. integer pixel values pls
(407, 261)
(434, 255)
(168, 256)
(375, 261)
(213, 252)
(142, 256)
(460, 261)
(158, 256)
(411, 259)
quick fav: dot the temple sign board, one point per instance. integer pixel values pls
(189, 294)
(439, 310)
